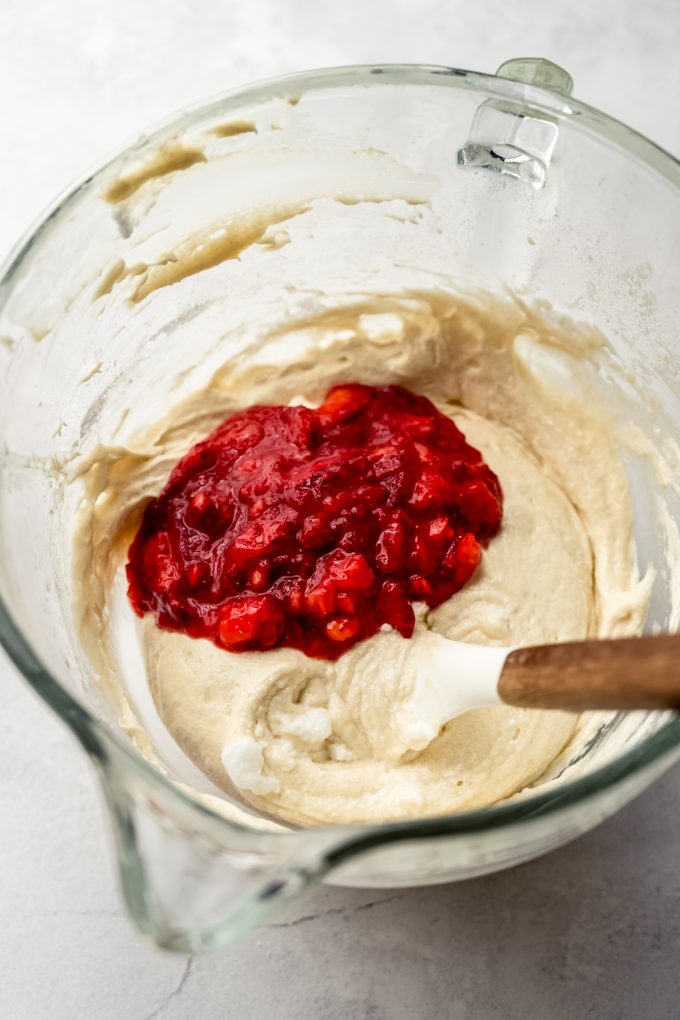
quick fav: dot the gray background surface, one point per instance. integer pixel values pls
(592, 930)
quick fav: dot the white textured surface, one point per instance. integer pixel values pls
(590, 931)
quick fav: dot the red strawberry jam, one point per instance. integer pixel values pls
(312, 528)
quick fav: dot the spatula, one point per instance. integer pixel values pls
(452, 677)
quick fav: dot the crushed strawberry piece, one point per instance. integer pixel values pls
(311, 529)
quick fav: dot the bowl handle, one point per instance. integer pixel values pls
(512, 137)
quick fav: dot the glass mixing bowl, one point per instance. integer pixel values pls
(487, 180)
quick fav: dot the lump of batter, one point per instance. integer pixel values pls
(309, 740)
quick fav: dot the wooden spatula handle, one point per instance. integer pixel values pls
(625, 673)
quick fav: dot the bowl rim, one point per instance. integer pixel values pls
(101, 742)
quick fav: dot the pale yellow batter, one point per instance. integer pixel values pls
(311, 741)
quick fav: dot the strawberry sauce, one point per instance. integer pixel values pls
(312, 528)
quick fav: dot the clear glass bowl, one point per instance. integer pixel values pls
(581, 210)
